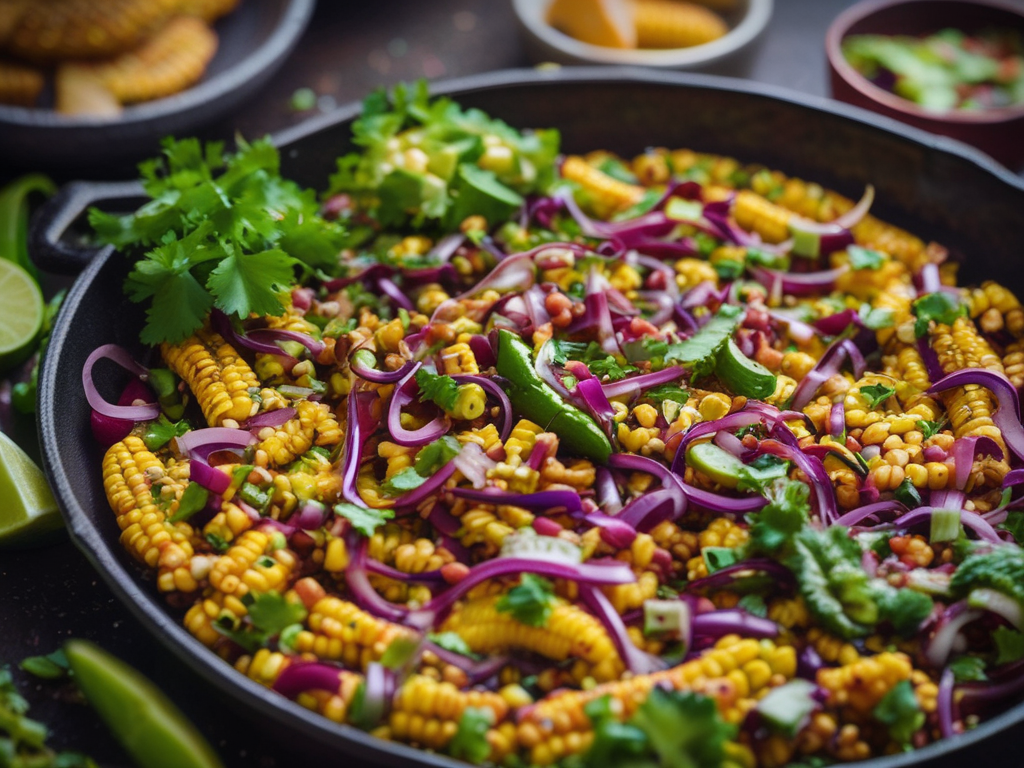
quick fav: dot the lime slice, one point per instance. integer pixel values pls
(150, 728)
(21, 314)
(28, 512)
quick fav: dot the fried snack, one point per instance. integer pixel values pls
(170, 61)
(19, 84)
(55, 30)
(674, 24)
(208, 10)
(79, 92)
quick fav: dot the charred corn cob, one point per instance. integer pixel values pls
(313, 424)
(570, 632)
(675, 24)
(217, 376)
(733, 673)
(134, 479)
(756, 214)
(250, 565)
(341, 631)
(426, 712)
(603, 194)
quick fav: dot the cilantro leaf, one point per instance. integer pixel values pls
(659, 394)
(52, 666)
(876, 394)
(877, 318)
(530, 601)
(270, 612)
(930, 428)
(452, 641)
(437, 388)
(400, 652)
(432, 457)
(864, 258)
(754, 605)
(470, 740)
(699, 352)
(609, 368)
(402, 482)
(940, 306)
(1001, 569)
(247, 284)
(907, 494)
(364, 519)
(900, 711)
(1009, 645)
(1014, 523)
(193, 499)
(782, 518)
(162, 431)
(968, 669)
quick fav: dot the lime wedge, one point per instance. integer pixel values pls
(21, 314)
(147, 723)
(28, 511)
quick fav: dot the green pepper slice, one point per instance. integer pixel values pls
(537, 401)
(146, 723)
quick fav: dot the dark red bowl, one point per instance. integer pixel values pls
(999, 132)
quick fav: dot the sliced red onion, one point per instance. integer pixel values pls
(1007, 415)
(597, 317)
(860, 514)
(652, 508)
(837, 420)
(727, 441)
(431, 486)
(964, 451)
(638, 662)
(939, 646)
(821, 486)
(998, 603)
(274, 335)
(828, 366)
(727, 622)
(1013, 477)
(359, 425)
(375, 695)
(546, 502)
(671, 287)
(310, 516)
(830, 236)
(798, 283)
(378, 376)
(123, 358)
(370, 273)
(474, 464)
(589, 391)
(429, 578)
(492, 388)
(633, 386)
(483, 351)
(726, 577)
(275, 418)
(945, 705)
(476, 671)
(931, 360)
(388, 287)
(992, 690)
(516, 273)
(301, 676)
(853, 216)
(608, 498)
(833, 325)
(213, 439)
(445, 248)
(402, 396)
(798, 330)
(108, 431)
(615, 531)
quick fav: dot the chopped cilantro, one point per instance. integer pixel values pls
(610, 368)
(364, 519)
(1009, 645)
(663, 392)
(930, 428)
(907, 494)
(876, 394)
(728, 269)
(754, 605)
(705, 243)
(193, 499)
(401, 652)
(968, 669)
(940, 306)
(1014, 523)
(268, 615)
(161, 431)
(224, 231)
(699, 352)
(782, 518)
(437, 388)
(470, 740)
(865, 258)
(530, 601)
(452, 641)
(216, 542)
(900, 711)
(878, 318)
(429, 459)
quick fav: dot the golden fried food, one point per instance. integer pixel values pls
(80, 92)
(675, 24)
(208, 10)
(173, 59)
(85, 29)
(19, 84)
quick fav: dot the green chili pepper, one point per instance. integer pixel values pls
(150, 728)
(14, 218)
(535, 400)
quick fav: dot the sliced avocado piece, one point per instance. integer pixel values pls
(444, 157)
(478, 192)
(742, 375)
(717, 463)
(787, 707)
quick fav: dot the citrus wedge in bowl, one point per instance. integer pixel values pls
(28, 514)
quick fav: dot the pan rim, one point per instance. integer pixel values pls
(262, 702)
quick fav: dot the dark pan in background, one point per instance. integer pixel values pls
(935, 187)
(254, 41)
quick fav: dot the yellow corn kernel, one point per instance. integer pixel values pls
(341, 631)
(602, 193)
(459, 359)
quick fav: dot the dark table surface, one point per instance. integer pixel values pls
(51, 594)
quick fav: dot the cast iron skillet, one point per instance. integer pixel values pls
(935, 186)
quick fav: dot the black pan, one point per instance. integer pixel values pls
(935, 186)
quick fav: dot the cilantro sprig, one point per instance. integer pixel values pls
(530, 601)
(224, 231)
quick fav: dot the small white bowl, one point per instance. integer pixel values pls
(545, 43)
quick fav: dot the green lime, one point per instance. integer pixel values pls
(21, 314)
(29, 513)
(150, 728)
(717, 463)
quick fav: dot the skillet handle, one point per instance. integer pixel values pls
(50, 250)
